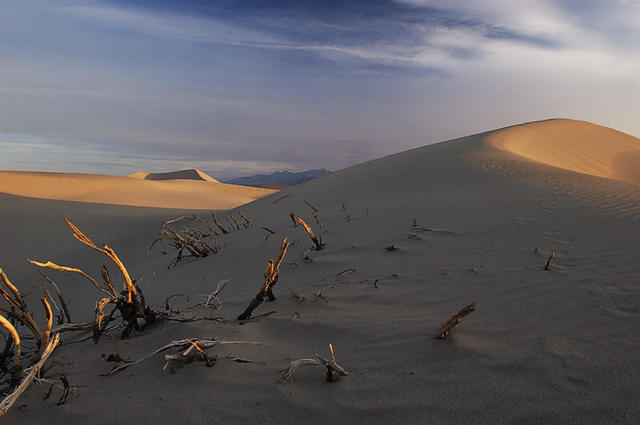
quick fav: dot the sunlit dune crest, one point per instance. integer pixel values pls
(191, 189)
(574, 145)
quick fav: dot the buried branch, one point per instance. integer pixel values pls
(9, 400)
(190, 240)
(270, 279)
(46, 341)
(189, 350)
(446, 327)
(549, 259)
(334, 370)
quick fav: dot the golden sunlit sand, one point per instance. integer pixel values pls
(190, 189)
(408, 245)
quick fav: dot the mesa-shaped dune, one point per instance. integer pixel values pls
(574, 145)
(191, 174)
(190, 189)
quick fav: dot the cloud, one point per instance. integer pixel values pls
(299, 84)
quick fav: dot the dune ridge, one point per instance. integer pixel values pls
(468, 221)
(190, 174)
(573, 145)
(185, 193)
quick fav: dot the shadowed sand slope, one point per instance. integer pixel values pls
(191, 174)
(471, 223)
(574, 145)
(183, 192)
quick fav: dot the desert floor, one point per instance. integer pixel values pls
(555, 346)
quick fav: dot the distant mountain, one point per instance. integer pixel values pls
(279, 178)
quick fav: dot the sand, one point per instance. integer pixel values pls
(190, 189)
(192, 174)
(556, 346)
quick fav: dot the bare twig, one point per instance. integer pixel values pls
(318, 296)
(334, 370)
(446, 327)
(315, 210)
(281, 198)
(297, 296)
(235, 222)
(63, 303)
(17, 366)
(247, 222)
(312, 236)
(217, 223)
(293, 218)
(270, 279)
(9, 400)
(551, 257)
(65, 393)
(182, 344)
(269, 232)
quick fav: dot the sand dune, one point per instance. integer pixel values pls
(472, 223)
(574, 145)
(191, 174)
(185, 191)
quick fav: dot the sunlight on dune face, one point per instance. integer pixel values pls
(574, 145)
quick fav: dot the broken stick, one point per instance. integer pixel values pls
(334, 370)
(318, 244)
(551, 257)
(270, 279)
(446, 327)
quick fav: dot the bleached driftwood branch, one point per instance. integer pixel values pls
(334, 370)
(184, 345)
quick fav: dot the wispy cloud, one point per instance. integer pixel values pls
(300, 84)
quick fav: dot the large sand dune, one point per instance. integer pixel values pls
(191, 174)
(575, 145)
(553, 347)
(186, 189)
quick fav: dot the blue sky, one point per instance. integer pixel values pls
(241, 87)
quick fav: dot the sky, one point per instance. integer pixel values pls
(244, 87)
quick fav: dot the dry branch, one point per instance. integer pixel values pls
(297, 296)
(235, 222)
(17, 367)
(190, 240)
(318, 244)
(334, 370)
(9, 400)
(19, 308)
(217, 223)
(270, 279)
(129, 302)
(293, 218)
(184, 344)
(110, 253)
(269, 232)
(63, 303)
(49, 323)
(446, 327)
(315, 210)
(551, 257)
(247, 222)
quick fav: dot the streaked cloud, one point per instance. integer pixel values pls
(298, 84)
